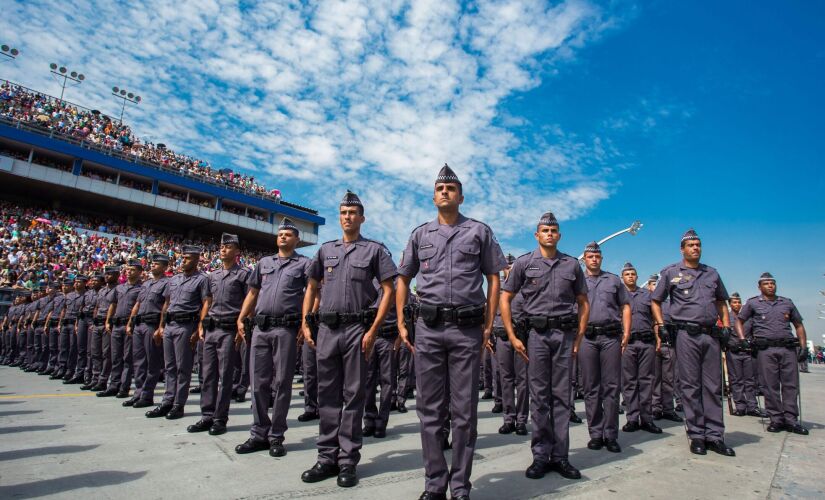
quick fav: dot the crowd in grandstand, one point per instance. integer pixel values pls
(40, 245)
(33, 108)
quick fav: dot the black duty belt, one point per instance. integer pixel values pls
(434, 315)
(500, 332)
(611, 330)
(335, 319)
(83, 316)
(65, 319)
(694, 328)
(39, 323)
(645, 336)
(223, 322)
(541, 323)
(182, 317)
(388, 331)
(120, 321)
(762, 344)
(99, 321)
(264, 322)
(147, 319)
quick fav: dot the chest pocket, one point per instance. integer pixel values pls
(360, 270)
(331, 270)
(533, 278)
(684, 288)
(467, 258)
(295, 279)
(189, 292)
(267, 273)
(427, 258)
(710, 290)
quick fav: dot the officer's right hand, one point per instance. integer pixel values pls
(129, 330)
(108, 328)
(241, 326)
(518, 346)
(158, 336)
(307, 335)
(404, 335)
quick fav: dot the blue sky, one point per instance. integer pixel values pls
(680, 114)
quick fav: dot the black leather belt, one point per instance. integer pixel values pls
(388, 331)
(645, 336)
(434, 315)
(694, 328)
(762, 344)
(120, 321)
(565, 322)
(335, 319)
(99, 321)
(223, 322)
(264, 322)
(500, 332)
(147, 319)
(182, 317)
(612, 330)
(74, 318)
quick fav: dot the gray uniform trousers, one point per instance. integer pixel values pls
(342, 371)
(140, 363)
(310, 379)
(88, 375)
(54, 346)
(241, 380)
(66, 339)
(637, 380)
(41, 341)
(199, 361)
(491, 375)
(699, 364)
(30, 346)
(548, 372)
(447, 353)
(82, 345)
(218, 370)
(151, 366)
(664, 384)
(179, 358)
(406, 373)
(779, 375)
(512, 372)
(601, 364)
(101, 355)
(272, 363)
(121, 376)
(741, 377)
(381, 370)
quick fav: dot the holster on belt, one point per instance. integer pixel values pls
(643, 336)
(411, 312)
(500, 332)
(313, 321)
(434, 315)
(612, 330)
(388, 331)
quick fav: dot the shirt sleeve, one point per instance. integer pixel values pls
(316, 266)
(385, 266)
(205, 289)
(721, 291)
(580, 285)
(167, 290)
(795, 316)
(492, 258)
(515, 280)
(660, 293)
(746, 312)
(623, 297)
(254, 278)
(409, 259)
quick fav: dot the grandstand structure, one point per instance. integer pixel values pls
(38, 161)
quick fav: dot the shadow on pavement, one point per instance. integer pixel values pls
(393, 461)
(738, 438)
(46, 450)
(20, 412)
(30, 428)
(56, 486)
(11, 402)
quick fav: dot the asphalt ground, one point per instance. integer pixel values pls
(58, 441)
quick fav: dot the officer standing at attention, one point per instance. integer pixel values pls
(638, 358)
(55, 320)
(777, 355)
(120, 310)
(347, 332)
(664, 368)
(310, 371)
(740, 369)
(381, 370)
(83, 372)
(222, 338)
(186, 305)
(85, 324)
(68, 341)
(77, 352)
(697, 299)
(275, 296)
(27, 341)
(449, 257)
(42, 316)
(101, 341)
(556, 313)
(600, 354)
(40, 347)
(147, 350)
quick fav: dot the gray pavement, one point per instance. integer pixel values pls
(58, 441)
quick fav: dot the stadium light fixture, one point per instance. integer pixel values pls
(125, 96)
(9, 52)
(632, 230)
(66, 75)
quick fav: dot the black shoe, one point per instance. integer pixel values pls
(195, 390)
(86, 387)
(49, 370)
(159, 411)
(487, 395)
(579, 395)
(380, 433)
(739, 413)
(497, 408)
(100, 386)
(55, 376)
(308, 416)
(721, 448)
(446, 445)
(429, 495)
(521, 429)
(757, 413)
(369, 430)
(621, 411)
(393, 406)
(595, 444)
(697, 447)
(679, 407)
(650, 427)
(175, 413)
(217, 429)
(240, 397)
(122, 394)
(347, 478)
(67, 381)
(107, 393)
(797, 429)
(410, 393)
(774, 427)
(612, 446)
(302, 393)
(251, 446)
(67, 377)
(461, 497)
(201, 425)
(319, 472)
(129, 402)
(300, 380)
(672, 416)
(537, 470)
(507, 428)
(566, 470)
(574, 418)
(631, 427)
(276, 449)
(142, 403)
(402, 408)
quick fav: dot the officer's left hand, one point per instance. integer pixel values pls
(518, 346)
(238, 340)
(200, 332)
(803, 355)
(367, 343)
(486, 339)
(193, 340)
(489, 347)
(658, 345)
(624, 343)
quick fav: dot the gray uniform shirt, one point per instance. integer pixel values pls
(125, 297)
(89, 301)
(187, 294)
(642, 320)
(105, 297)
(770, 319)
(74, 301)
(348, 270)
(282, 282)
(152, 295)
(228, 288)
(549, 286)
(693, 293)
(606, 294)
(449, 263)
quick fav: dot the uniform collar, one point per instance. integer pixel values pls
(536, 255)
(683, 267)
(340, 242)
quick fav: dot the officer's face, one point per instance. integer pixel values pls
(230, 251)
(735, 304)
(79, 286)
(111, 278)
(287, 240)
(768, 288)
(133, 272)
(548, 236)
(190, 262)
(447, 195)
(629, 277)
(350, 219)
(593, 261)
(67, 288)
(692, 250)
(158, 268)
(651, 285)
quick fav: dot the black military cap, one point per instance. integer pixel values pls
(735, 295)
(628, 267)
(592, 247)
(135, 263)
(766, 277)
(653, 278)
(446, 174)
(160, 257)
(288, 224)
(351, 199)
(68, 281)
(510, 258)
(548, 219)
(81, 277)
(690, 234)
(97, 276)
(111, 270)
(230, 239)
(191, 250)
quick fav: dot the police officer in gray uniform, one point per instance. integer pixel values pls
(85, 323)
(222, 335)
(77, 352)
(638, 358)
(346, 335)
(664, 367)
(147, 350)
(120, 310)
(449, 257)
(186, 305)
(41, 344)
(68, 322)
(555, 312)
(275, 296)
(740, 368)
(81, 330)
(776, 351)
(697, 300)
(381, 370)
(27, 341)
(101, 340)
(42, 317)
(55, 321)
(601, 349)
(309, 364)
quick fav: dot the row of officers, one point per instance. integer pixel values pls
(550, 327)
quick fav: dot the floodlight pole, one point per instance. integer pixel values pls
(125, 96)
(633, 229)
(66, 75)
